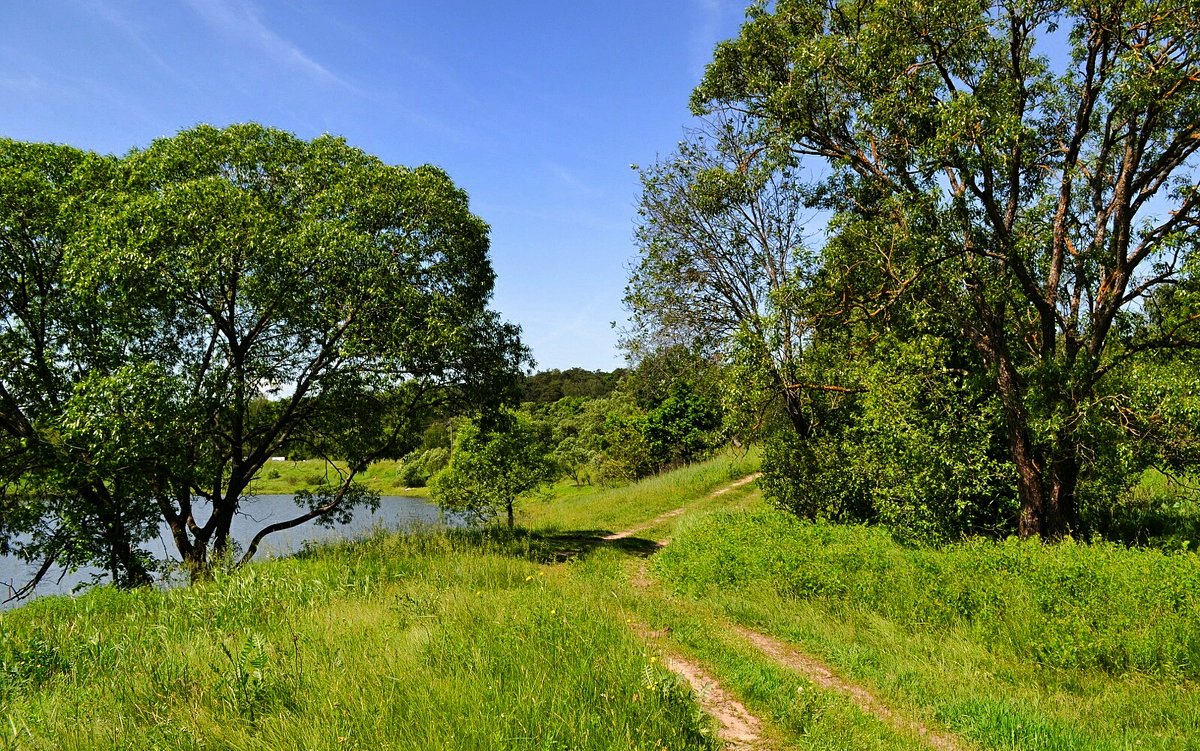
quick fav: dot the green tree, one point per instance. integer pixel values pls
(492, 466)
(65, 496)
(723, 270)
(224, 265)
(684, 427)
(1038, 202)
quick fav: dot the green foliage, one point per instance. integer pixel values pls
(491, 467)
(723, 268)
(180, 288)
(919, 448)
(245, 679)
(683, 428)
(1040, 210)
(549, 386)
(419, 466)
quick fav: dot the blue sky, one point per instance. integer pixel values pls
(536, 109)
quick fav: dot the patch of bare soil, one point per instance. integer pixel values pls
(824, 677)
(737, 728)
(737, 484)
(643, 527)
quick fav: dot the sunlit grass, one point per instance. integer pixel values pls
(1012, 645)
(288, 476)
(618, 508)
(480, 638)
(439, 640)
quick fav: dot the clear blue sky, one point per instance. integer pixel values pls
(536, 109)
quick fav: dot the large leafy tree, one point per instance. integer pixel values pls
(224, 264)
(1026, 168)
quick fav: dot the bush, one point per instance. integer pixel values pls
(419, 466)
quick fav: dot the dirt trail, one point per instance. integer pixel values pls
(821, 675)
(740, 730)
(737, 727)
(672, 514)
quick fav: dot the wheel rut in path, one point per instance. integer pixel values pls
(739, 729)
(821, 675)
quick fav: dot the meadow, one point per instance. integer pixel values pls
(289, 476)
(550, 637)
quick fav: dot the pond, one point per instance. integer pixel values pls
(394, 513)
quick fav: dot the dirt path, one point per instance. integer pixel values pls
(739, 729)
(672, 514)
(823, 676)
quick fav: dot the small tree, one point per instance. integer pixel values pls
(492, 466)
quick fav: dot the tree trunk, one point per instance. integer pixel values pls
(1046, 482)
(509, 507)
(794, 406)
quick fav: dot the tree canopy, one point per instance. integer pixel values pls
(180, 284)
(1018, 177)
(493, 465)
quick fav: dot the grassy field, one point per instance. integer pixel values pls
(484, 639)
(1012, 645)
(436, 641)
(279, 477)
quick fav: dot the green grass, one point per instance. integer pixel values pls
(1014, 645)
(311, 474)
(484, 639)
(614, 509)
(446, 640)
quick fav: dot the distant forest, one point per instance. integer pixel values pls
(548, 386)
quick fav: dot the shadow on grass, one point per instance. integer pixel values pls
(574, 544)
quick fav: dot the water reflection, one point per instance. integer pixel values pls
(394, 513)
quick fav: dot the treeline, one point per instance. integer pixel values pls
(548, 386)
(952, 283)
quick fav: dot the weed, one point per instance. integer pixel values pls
(244, 682)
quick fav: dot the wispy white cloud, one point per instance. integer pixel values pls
(21, 83)
(239, 20)
(568, 178)
(706, 31)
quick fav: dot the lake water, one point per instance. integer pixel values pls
(394, 513)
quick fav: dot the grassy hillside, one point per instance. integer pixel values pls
(279, 477)
(441, 639)
(432, 641)
(553, 638)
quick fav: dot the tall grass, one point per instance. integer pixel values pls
(1015, 644)
(446, 640)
